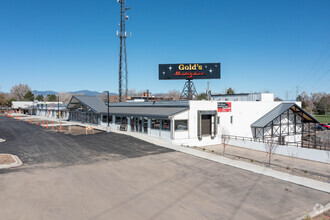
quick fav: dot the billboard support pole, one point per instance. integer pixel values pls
(189, 90)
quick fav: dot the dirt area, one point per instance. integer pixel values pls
(6, 159)
(40, 122)
(65, 128)
(77, 130)
(324, 216)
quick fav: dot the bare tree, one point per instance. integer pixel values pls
(174, 94)
(131, 92)
(224, 139)
(3, 100)
(103, 97)
(270, 147)
(65, 97)
(19, 91)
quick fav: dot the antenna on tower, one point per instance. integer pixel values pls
(123, 73)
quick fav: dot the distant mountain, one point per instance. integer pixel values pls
(81, 92)
(85, 92)
(44, 93)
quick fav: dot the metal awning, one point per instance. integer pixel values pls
(278, 110)
(156, 112)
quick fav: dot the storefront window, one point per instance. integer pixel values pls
(166, 125)
(181, 125)
(155, 124)
(124, 120)
(118, 120)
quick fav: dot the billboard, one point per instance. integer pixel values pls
(224, 106)
(189, 71)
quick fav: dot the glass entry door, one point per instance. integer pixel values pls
(145, 125)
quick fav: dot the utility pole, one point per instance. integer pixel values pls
(58, 107)
(108, 106)
(147, 95)
(108, 100)
(123, 73)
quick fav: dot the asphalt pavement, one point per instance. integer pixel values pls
(36, 145)
(115, 176)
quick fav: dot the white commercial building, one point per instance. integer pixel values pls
(199, 123)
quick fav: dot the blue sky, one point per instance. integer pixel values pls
(68, 45)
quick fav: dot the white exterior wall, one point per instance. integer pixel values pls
(21, 104)
(244, 114)
(190, 137)
(177, 135)
(267, 97)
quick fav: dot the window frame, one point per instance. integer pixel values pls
(176, 126)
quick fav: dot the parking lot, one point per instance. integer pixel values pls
(114, 176)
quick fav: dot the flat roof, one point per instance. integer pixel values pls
(157, 112)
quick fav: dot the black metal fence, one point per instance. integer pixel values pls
(320, 145)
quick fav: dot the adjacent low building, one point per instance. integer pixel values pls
(21, 107)
(40, 108)
(51, 110)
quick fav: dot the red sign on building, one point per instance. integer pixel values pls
(224, 106)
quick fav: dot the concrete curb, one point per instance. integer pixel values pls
(313, 184)
(17, 162)
(316, 212)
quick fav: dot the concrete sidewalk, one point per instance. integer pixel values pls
(322, 169)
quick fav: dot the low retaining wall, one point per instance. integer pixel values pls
(298, 152)
(205, 141)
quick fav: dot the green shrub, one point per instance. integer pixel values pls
(251, 160)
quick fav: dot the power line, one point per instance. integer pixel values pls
(321, 59)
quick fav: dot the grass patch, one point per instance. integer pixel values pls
(323, 118)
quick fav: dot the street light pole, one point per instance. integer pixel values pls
(58, 107)
(108, 106)
(108, 99)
